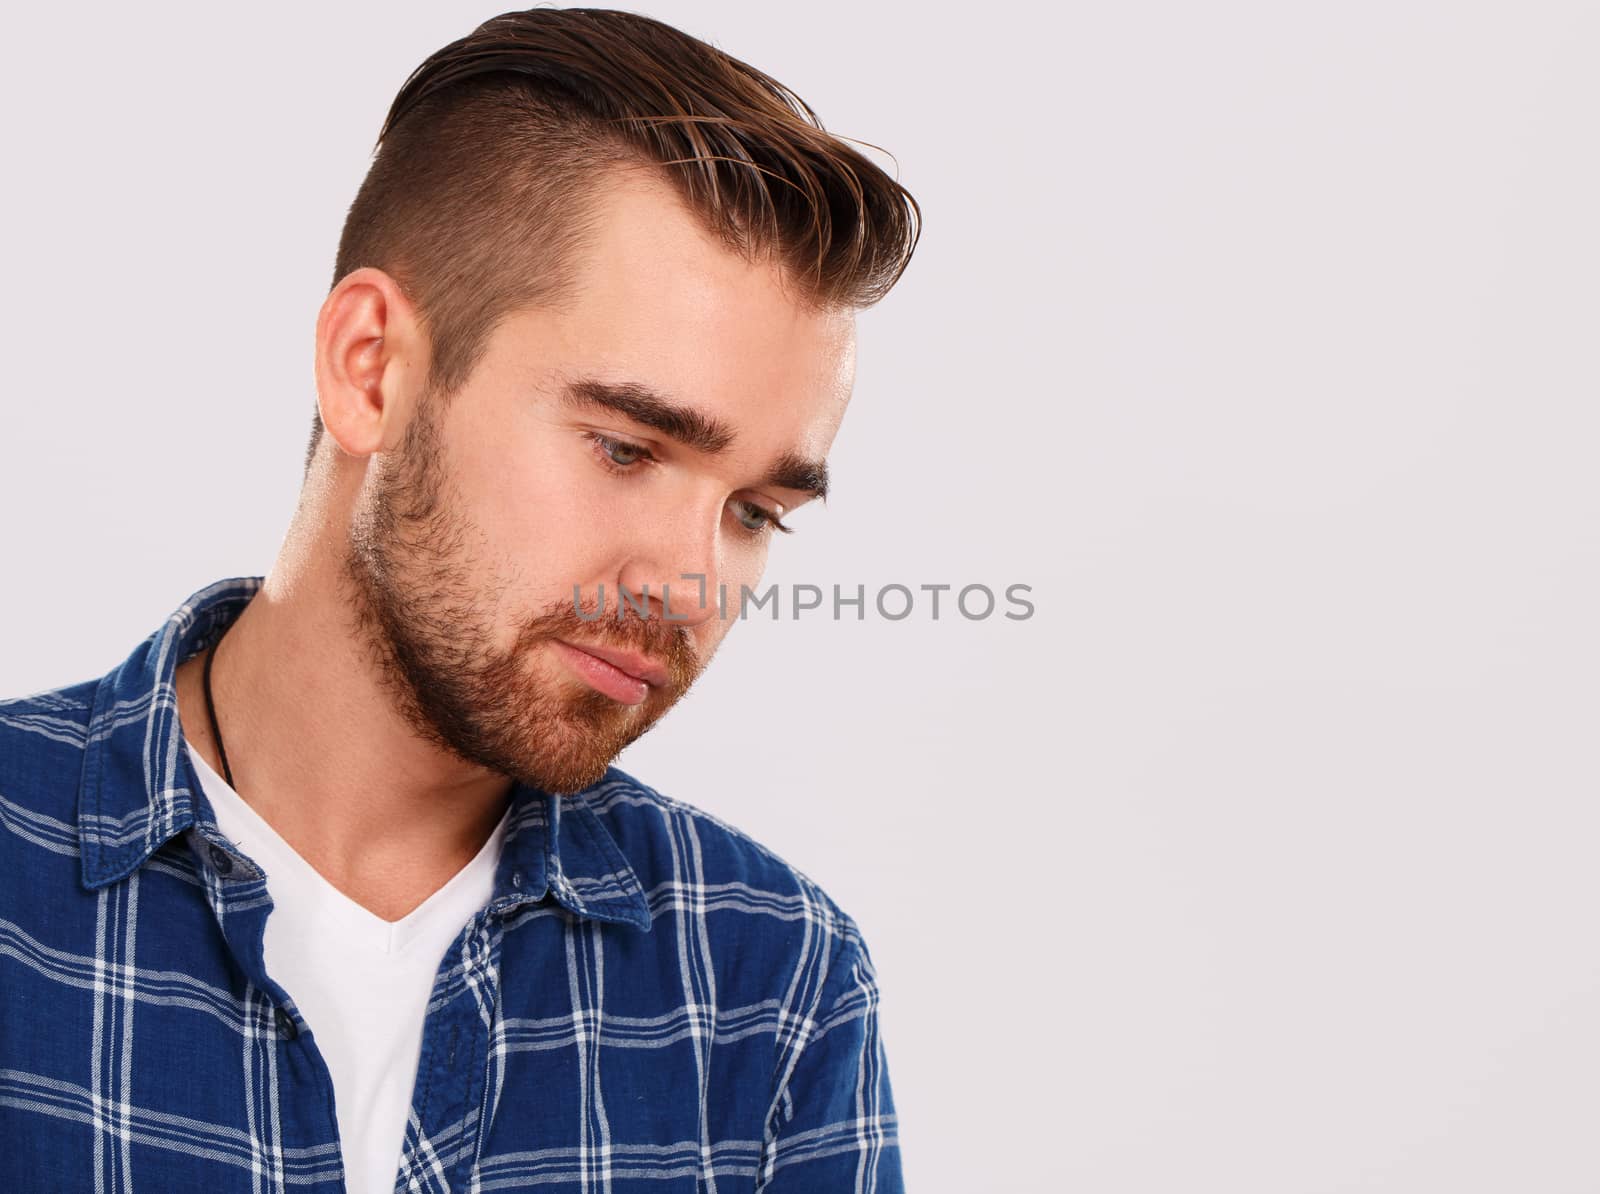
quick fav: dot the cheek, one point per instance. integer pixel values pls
(743, 565)
(544, 513)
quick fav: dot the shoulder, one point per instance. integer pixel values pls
(678, 849)
(42, 741)
(43, 735)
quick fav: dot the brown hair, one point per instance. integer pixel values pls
(480, 195)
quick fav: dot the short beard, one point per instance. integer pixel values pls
(427, 624)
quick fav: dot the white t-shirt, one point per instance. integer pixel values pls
(361, 983)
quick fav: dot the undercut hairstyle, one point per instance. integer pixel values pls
(481, 196)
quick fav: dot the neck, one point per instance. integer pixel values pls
(318, 749)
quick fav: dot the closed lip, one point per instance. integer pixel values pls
(640, 667)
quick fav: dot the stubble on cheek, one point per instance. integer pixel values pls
(412, 566)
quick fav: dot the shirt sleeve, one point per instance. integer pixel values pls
(833, 1124)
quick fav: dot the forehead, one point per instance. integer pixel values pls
(659, 301)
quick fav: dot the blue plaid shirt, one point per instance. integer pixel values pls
(651, 1001)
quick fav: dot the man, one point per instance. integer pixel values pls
(331, 884)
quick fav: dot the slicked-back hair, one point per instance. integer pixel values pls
(482, 193)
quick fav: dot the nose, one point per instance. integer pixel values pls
(675, 573)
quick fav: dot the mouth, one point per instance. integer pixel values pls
(624, 676)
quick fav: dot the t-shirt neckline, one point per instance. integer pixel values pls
(383, 936)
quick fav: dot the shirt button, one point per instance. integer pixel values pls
(516, 878)
(220, 859)
(286, 1024)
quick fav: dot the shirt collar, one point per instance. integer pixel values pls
(139, 789)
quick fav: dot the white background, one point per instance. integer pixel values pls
(1260, 339)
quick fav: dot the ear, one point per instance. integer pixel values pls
(371, 360)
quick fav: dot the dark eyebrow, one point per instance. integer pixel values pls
(796, 472)
(690, 427)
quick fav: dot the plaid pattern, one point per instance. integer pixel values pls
(651, 1001)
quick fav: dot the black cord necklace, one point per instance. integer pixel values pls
(211, 708)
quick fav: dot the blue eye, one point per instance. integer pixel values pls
(622, 458)
(762, 518)
(618, 455)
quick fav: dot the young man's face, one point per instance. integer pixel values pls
(466, 544)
